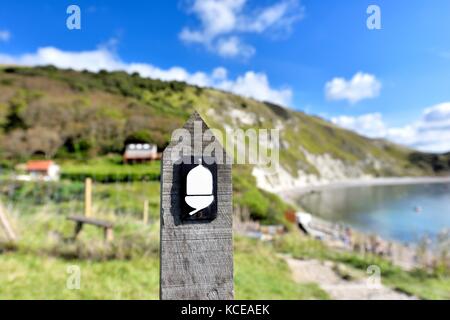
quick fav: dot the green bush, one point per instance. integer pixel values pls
(110, 177)
(40, 193)
(263, 206)
(108, 170)
(256, 202)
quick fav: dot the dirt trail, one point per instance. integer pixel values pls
(324, 274)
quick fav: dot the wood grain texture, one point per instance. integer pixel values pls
(196, 256)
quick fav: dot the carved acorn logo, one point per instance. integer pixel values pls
(199, 188)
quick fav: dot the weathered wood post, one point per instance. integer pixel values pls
(196, 246)
(88, 198)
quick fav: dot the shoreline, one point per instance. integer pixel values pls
(407, 248)
(351, 183)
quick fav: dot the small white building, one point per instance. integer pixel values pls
(45, 170)
(140, 152)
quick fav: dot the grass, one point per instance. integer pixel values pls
(263, 206)
(431, 288)
(38, 267)
(66, 197)
(425, 285)
(260, 274)
(127, 197)
(110, 169)
(28, 276)
(44, 251)
(422, 284)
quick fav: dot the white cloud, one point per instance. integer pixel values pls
(232, 47)
(430, 133)
(222, 20)
(216, 18)
(370, 125)
(251, 84)
(361, 86)
(5, 35)
(281, 15)
(220, 73)
(438, 114)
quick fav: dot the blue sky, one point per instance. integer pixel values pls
(315, 56)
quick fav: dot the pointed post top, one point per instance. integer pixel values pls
(196, 254)
(199, 136)
(195, 116)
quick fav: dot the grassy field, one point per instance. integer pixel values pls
(261, 274)
(128, 269)
(28, 276)
(37, 267)
(110, 169)
(66, 197)
(420, 283)
(122, 190)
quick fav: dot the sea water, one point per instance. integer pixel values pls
(405, 213)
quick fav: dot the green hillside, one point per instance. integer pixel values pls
(79, 115)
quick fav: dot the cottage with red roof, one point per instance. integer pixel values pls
(45, 170)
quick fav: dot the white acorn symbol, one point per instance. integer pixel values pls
(199, 188)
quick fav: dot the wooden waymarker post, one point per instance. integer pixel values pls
(88, 198)
(145, 214)
(196, 251)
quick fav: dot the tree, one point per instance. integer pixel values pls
(14, 117)
(24, 143)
